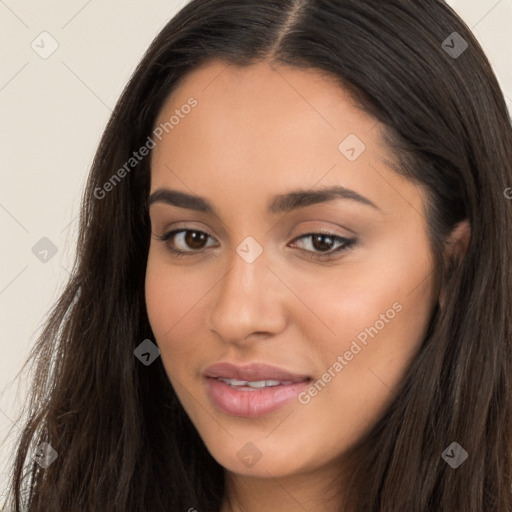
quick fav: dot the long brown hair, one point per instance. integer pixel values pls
(123, 440)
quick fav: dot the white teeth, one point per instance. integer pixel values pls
(235, 382)
(263, 383)
(254, 384)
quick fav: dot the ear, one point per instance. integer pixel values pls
(455, 249)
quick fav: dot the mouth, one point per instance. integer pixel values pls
(252, 390)
(244, 385)
(252, 399)
(253, 373)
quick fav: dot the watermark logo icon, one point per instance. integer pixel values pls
(455, 45)
(147, 352)
(249, 454)
(45, 45)
(249, 250)
(45, 455)
(44, 250)
(454, 455)
(352, 147)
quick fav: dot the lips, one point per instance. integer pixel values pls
(252, 372)
(251, 403)
(252, 390)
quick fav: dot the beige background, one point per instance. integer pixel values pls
(52, 113)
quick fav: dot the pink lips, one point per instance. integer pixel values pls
(250, 403)
(251, 372)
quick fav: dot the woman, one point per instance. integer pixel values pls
(292, 287)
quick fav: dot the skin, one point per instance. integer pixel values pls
(256, 132)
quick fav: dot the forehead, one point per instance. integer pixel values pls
(261, 127)
(261, 110)
(260, 88)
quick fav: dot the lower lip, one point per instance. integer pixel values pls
(250, 404)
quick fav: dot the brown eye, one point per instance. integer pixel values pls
(181, 241)
(325, 245)
(322, 242)
(195, 239)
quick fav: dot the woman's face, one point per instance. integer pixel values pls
(334, 288)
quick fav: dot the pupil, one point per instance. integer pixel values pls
(195, 239)
(322, 246)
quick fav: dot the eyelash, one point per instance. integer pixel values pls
(347, 244)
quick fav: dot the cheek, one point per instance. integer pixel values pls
(170, 292)
(377, 311)
(161, 297)
(173, 300)
(387, 293)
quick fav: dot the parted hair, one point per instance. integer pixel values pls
(124, 442)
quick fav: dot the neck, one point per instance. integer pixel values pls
(319, 492)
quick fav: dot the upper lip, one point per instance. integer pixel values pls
(251, 372)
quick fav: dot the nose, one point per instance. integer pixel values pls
(248, 300)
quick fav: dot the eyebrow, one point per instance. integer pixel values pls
(282, 203)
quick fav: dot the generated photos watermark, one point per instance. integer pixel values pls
(138, 156)
(343, 360)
